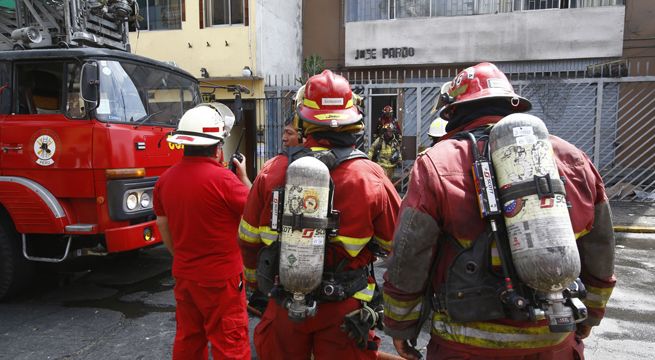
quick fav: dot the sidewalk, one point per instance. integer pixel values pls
(638, 217)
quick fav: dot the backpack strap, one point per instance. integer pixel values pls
(331, 158)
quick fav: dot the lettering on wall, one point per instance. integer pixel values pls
(384, 53)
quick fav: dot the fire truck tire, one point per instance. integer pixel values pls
(15, 270)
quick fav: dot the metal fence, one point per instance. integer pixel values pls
(607, 112)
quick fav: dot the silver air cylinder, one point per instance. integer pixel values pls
(306, 196)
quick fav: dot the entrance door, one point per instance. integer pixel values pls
(40, 140)
(378, 102)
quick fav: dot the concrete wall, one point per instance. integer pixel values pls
(323, 31)
(519, 36)
(279, 36)
(219, 59)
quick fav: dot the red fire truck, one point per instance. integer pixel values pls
(82, 141)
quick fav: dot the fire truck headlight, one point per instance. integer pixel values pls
(131, 201)
(145, 200)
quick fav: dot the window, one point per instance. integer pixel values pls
(135, 93)
(412, 8)
(366, 10)
(40, 88)
(49, 88)
(224, 12)
(5, 88)
(159, 14)
(540, 4)
(74, 101)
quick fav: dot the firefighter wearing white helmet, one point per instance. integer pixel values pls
(207, 265)
(324, 294)
(499, 255)
(204, 125)
(437, 130)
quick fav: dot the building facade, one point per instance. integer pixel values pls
(224, 43)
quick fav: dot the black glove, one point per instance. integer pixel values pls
(357, 324)
(258, 300)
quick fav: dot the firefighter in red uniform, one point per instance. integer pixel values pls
(440, 209)
(368, 204)
(385, 119)
(198, 204)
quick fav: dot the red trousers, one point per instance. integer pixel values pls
(214, 313)
(278, 338)
(570, 349)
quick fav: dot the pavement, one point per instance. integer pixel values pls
(633, 217)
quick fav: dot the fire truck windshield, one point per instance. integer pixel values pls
(137, 93)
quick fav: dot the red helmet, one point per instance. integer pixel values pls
(479, 82)
(328, 101)
(387, 109)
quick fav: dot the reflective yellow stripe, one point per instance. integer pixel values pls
(248, 232)
(311, 104)
(597, 297)
(465, 243)
(250, 274)
(331, 116)
(402, 310)
(495, 256)
(581, 233)
(268, 236)
(495, 336)
(365, 294)
(386, 244)
(349, 104)
(352, 245)
(318, 148)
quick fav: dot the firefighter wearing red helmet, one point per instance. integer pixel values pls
(446, 239)
(198, 203)
(339, 315)
(385, 119)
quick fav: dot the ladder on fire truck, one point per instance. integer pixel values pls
(32, 24)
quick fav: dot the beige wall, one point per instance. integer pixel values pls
(323, 31)
(220, 60)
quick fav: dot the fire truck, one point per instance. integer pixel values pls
(83, 127)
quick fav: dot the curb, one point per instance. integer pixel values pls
(634, 229)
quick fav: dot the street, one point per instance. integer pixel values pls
(123, 308)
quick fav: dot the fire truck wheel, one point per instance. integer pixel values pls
(15, 270)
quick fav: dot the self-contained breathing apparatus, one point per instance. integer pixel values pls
(522, 198)
(291, 270)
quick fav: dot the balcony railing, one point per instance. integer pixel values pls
(365, 10)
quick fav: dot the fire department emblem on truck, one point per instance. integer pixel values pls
(44, 148)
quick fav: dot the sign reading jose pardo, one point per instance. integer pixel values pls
(384, 53)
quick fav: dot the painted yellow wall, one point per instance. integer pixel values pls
(220, 60)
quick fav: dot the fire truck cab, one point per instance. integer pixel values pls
(82, 143)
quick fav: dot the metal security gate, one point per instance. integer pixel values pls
(612, 119)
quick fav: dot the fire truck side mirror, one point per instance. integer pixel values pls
(89, 85)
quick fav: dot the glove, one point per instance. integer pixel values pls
(258, 300)
(358, 323)
(395, 157)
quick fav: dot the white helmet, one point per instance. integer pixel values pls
(438, 128)
(204, 125)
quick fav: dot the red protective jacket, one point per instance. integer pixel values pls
(363, 194)
(441, 199)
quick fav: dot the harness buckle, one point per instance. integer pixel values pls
(544, 186)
